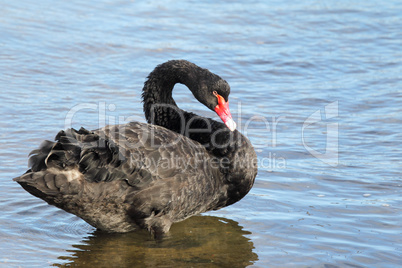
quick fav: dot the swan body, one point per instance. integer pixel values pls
(124, 177)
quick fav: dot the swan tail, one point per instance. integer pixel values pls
(91, 154)
(50, 185)
(59, 168)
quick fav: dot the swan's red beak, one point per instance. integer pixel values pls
(222, 109)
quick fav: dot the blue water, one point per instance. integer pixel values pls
(316, 86)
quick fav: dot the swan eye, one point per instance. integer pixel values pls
(215, 93)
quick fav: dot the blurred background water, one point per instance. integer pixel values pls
(316, 86)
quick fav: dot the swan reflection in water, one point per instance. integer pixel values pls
(197, 241)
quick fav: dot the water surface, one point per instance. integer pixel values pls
(316, 86)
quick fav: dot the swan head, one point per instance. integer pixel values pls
(215, 95)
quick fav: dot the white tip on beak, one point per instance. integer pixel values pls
(231, 124)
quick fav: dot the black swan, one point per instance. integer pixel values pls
(125, 177)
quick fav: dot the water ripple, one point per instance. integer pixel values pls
(285, 62)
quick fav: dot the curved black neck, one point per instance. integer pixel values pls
(161, 109)
(159, 106)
